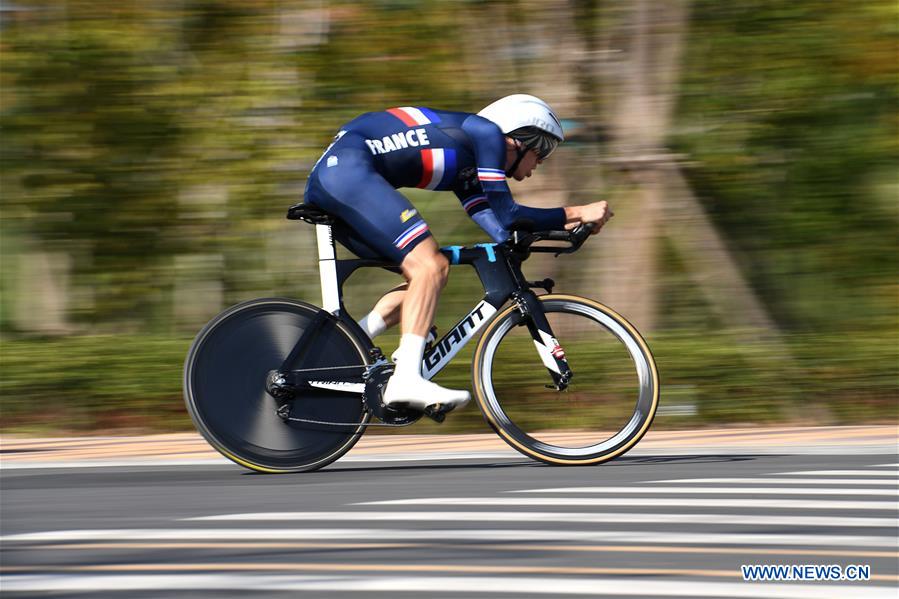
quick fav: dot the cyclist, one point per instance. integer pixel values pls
(356, 180)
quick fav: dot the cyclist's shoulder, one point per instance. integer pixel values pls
(486, 138)
(478, 126)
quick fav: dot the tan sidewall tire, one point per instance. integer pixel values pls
(480, 393)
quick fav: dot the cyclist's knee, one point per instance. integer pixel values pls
(426, 261)
(434, 266)
(441, 268)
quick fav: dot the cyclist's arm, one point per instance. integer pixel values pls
(488, 221)
(490, 150)
(476, 206)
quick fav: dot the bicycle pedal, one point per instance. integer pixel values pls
(438, 412)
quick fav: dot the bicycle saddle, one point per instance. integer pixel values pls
(310, 214)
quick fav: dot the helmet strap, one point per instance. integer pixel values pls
(521, 150)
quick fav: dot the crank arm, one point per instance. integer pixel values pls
(286, 385)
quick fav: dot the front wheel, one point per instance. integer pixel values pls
(608, 405)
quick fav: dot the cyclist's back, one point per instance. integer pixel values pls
(422, 147)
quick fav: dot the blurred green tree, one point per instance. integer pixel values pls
(790, 111)
(90, 137)
(157, 144)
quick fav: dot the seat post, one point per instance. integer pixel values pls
(327, 268)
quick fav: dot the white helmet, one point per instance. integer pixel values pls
(528, 119)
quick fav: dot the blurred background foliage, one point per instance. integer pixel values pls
(150, 150)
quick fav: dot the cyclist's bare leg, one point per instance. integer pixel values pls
(388, 307)
(426, 269)
(385, 313)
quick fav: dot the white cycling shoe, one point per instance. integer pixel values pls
(420, 393)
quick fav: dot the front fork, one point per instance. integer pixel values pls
(551, 353)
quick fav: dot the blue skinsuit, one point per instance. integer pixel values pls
(357, 177)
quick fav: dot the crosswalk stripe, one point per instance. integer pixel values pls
(359, 567)
(478, 585)
(581, 517)
(717, 490)
(519, 547)
(369, 567)
(318, 567)
(799, 504)
(791, 481)
(618, 536)
(884, 473)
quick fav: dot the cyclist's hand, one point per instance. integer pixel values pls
(597, 212)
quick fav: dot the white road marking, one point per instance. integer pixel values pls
(578, 517)
(437, 535)
(223, 461)
(426, 585)
(792, 481)
(799, 504)
(886, 473)
(717, 491)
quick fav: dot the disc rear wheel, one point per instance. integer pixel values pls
(225, 387)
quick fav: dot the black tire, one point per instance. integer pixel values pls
(224, 387)
(609, 404)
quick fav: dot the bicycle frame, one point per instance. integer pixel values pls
(499, 269)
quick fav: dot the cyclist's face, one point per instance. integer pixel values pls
(527, 164)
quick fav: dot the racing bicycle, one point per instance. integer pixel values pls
(279, 385)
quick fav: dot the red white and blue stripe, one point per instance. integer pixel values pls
(438, 166)
(414, 116)
(475, 203)
(491, 174)
(411, 234)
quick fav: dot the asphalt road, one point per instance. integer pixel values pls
(650, 525)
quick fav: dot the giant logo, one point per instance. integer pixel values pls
(458, 337)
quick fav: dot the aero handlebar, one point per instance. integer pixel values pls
(575, 238)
